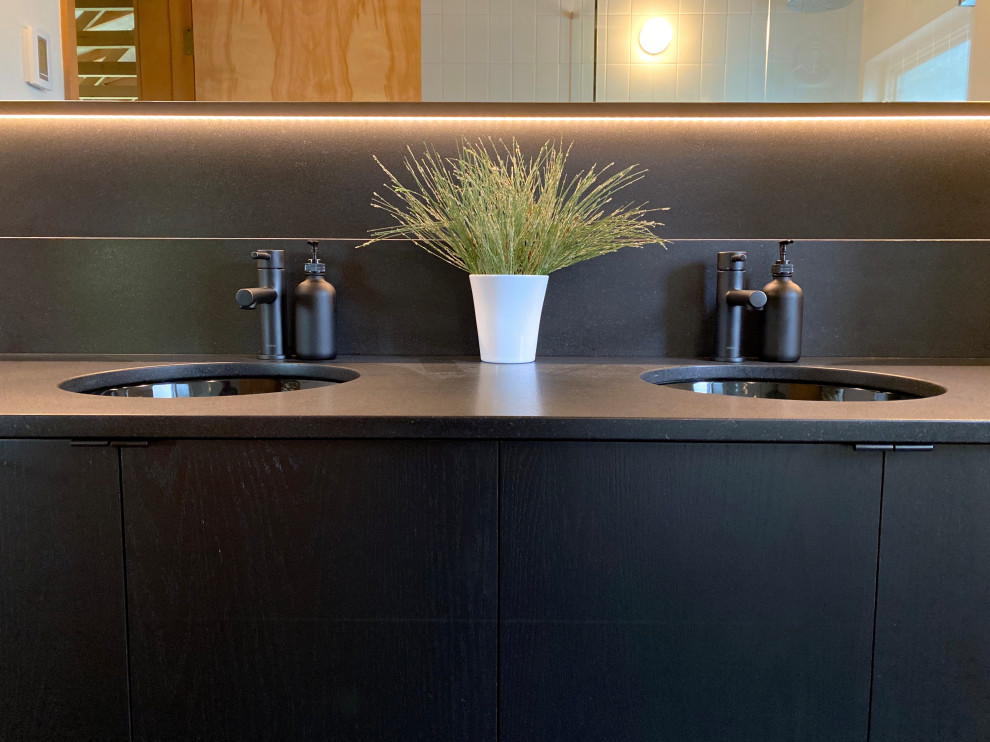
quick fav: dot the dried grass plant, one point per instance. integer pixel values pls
(492, 210)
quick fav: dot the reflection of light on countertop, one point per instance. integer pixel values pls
(508, 389)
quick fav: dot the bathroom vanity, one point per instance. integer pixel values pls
(463, 551)
(448, 550)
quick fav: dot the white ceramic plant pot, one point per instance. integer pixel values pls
(508, 309)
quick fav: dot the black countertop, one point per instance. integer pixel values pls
(463, 398)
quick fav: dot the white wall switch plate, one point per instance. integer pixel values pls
(38, 70)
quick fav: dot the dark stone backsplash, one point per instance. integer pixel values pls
(129, 234)
(885, 299)
(727, 171)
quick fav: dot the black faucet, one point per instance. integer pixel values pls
(270, 294)
(730, 298)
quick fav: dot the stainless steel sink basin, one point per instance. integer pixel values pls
(209, 380)
(806, 383)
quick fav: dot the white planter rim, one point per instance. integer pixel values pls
(508, 275)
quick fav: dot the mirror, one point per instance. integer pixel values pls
(505, 50)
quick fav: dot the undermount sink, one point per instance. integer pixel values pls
(794, 382)
(209, 380)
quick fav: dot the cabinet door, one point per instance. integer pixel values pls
(933, 600)
(63, 662)
(306, 590)
(658, 591)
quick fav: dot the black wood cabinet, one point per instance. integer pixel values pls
(306, 590)
(63, 665)
(458, 590)
(932, 674)
(660, 591)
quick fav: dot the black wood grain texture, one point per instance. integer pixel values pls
(63, 664)
(311, 591)
(684, 592)
(933, 607)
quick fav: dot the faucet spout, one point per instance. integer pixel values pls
(746, 298)
(269, 298)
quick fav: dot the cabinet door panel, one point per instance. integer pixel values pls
(63, 663)
(309, 590)
(655, 591)
(933, 602)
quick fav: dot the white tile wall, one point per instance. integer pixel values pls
(617, 31)
(547, 82)
(547, 39)
(432, 41)
(530, 50)
(736, 88)
(432, 81)
(499, 38)
(665, 82)
(499, 82)
(689, 39)
(757, 88)
(453, 38)
(641, 81)
(523, 82)
(454, 81)
(737, 29)
(476, 82)
(712, 83)
(523, 39)
(616, 82)
(713, 38)
(688, 82)
(508, 50)
(476, 39)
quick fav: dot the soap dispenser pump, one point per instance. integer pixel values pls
(783, 312)
(315, 312)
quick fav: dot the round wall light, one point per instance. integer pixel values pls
(656, 35)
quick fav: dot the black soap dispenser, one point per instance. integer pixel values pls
(782, 314)
(316, 338)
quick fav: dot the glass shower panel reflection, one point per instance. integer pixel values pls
(732, 50)
(814, 54)
(787, 51)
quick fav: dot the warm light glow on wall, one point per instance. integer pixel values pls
(656, 35)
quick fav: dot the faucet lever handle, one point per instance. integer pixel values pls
(274, 259)
(731, 260)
